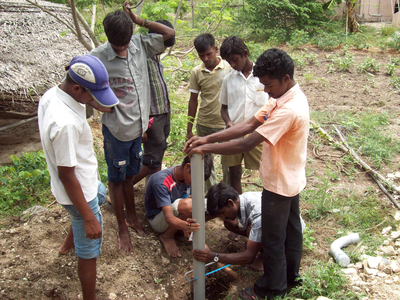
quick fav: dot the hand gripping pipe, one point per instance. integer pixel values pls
(199, 237)
(338, 254)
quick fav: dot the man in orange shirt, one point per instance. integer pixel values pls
(283, 125)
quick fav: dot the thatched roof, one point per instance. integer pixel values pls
(34, 47)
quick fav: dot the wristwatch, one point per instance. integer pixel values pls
(216, 258)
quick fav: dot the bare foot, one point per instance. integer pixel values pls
(124, 243)
(64, 249)
(68, 243)
(257, 264)
(233, 236)
(170, 245)
(137, 226)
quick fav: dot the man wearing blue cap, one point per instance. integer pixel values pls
(68, 147)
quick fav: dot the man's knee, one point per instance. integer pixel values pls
(185, 207)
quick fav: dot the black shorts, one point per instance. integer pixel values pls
(156, 143)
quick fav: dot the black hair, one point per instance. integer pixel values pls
(171, 41)
(274, 63)
(233, 45)
(118, 27)
(208, 164)
(203, 41)
(218, 196)
(69, 80)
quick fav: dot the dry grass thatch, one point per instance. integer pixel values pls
(34, 47)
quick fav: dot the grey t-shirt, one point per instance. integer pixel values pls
(129, 79)
(250, 212)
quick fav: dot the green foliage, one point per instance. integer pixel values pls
(177, 137)
(324, 279)
(390, 68)
(24, 183)
(365, 132)
(341, 63)
(159, 10)
(394, 41)
(308, 239)
(298, 38)
(256, 49)
(368, 65)
(358, 41)
(308, 77)
(319, 198)
(395, 82)
(328, 41)
(266, 16)
(387, 30)
(299, 59)
(395, 60)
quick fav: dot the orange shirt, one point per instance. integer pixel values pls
(284, 155)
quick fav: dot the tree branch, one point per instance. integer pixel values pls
(53, 15)
(84, 23)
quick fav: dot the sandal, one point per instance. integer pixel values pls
(248, 294)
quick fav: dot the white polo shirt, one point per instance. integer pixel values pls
(67, 142)
(243, 96)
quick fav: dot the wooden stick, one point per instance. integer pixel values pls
(228, 271)
(369, 170)
(18, 123)
(356, 157)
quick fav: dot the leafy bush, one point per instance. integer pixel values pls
(24, 183)
(270, 15)
(325, 279)
(358, 41)
(298, 38)
(368, 65)
(328, 41)
(341, 63)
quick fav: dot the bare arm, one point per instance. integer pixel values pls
(231, 133)
(225, 116)
(192, 110)
(75, 194)
(241, 258)
(159, 28)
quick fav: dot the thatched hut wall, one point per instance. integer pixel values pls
(34, 47)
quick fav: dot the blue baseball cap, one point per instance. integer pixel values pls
(89, 72)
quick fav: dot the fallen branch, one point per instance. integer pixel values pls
(351, 152)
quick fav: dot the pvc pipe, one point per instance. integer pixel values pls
(338, 254)
(199, 237)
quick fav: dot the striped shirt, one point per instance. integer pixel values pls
(159, 99)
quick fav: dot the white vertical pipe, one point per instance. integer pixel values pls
(197, 172)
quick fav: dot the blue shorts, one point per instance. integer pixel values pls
(86, 248)
(122, 158)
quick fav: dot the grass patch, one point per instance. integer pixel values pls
(365, 133)
(328, 281)
(24, 183)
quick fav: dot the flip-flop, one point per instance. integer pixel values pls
(248, 294)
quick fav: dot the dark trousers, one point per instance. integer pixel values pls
(282, 243)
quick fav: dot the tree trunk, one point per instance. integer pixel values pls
(353, 24)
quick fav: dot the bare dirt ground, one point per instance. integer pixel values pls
(31, 267)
